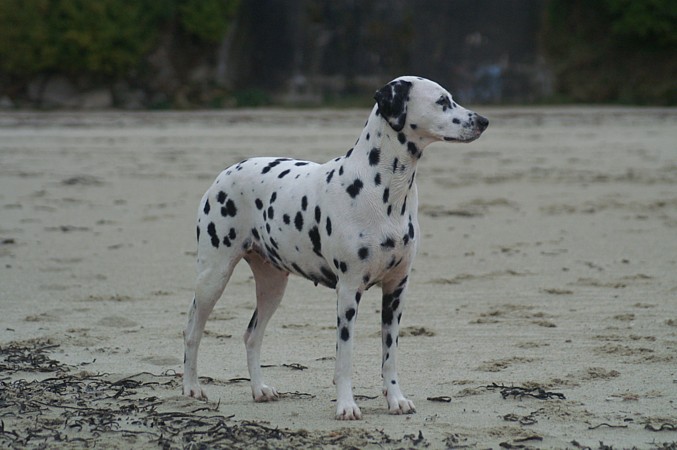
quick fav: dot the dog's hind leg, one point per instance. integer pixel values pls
(211, 281)
(270, 285)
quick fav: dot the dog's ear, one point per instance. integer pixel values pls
(392, 102)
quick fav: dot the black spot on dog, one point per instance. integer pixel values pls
(358, 297)
(386, 195)
(284, 173)
(363, 253)
(273, 197)
(330, 175)
(286, 219)
(354, 189)
(253, 321)
(343, 266)
(198, 233)
(386, 311)
(413, 126)
(299, 271)
(412, 148)
(328, 227)
(318, 214)
(402, 138)
(229, 209)
(340, 170)
(395, 163)
(374, 156)
(389, 341)
(377, 179)
(271, 212)
(345, 334)
(456, 120)
(330, 278)
(367, 136)
(314, 235)
(350, 152)
(301, 163)
(298, 221)
(221, 197)
(211, 230)
(444, 102)
(304, 203)
(350, 314)
(258, 203)
(388, 243)
(255, 233)
(411, 230)
(206, 208)
(404, 207)
(269, 166)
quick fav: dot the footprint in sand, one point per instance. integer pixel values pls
(161, 360)
(117, 322)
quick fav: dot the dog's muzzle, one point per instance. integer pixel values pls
(478, 125)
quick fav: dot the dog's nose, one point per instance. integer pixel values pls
(482, 122)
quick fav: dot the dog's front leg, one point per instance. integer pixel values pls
(391, 313)
(348, 301)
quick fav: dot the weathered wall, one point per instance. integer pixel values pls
(484, 50)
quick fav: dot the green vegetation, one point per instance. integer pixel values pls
(102, 38)
(613, 50)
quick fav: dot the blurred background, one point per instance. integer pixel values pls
(162, 54)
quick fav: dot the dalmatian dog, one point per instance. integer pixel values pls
(348, 224)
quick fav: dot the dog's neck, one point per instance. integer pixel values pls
(397, 159)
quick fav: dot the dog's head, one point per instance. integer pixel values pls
(417, 106)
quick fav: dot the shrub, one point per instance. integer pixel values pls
(99, 37)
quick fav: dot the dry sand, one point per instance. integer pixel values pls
(549, 260)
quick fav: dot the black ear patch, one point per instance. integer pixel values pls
(392, 102)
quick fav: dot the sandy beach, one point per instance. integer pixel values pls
(542, 310)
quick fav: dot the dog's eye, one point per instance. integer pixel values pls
(445, 102)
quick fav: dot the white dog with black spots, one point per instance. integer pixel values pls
(348, 224)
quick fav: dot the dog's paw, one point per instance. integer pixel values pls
(265, 394)
(348, 411)
(195, 391)
(401, 406)
(397, 403)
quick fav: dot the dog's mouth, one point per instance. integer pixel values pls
(464, 140)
